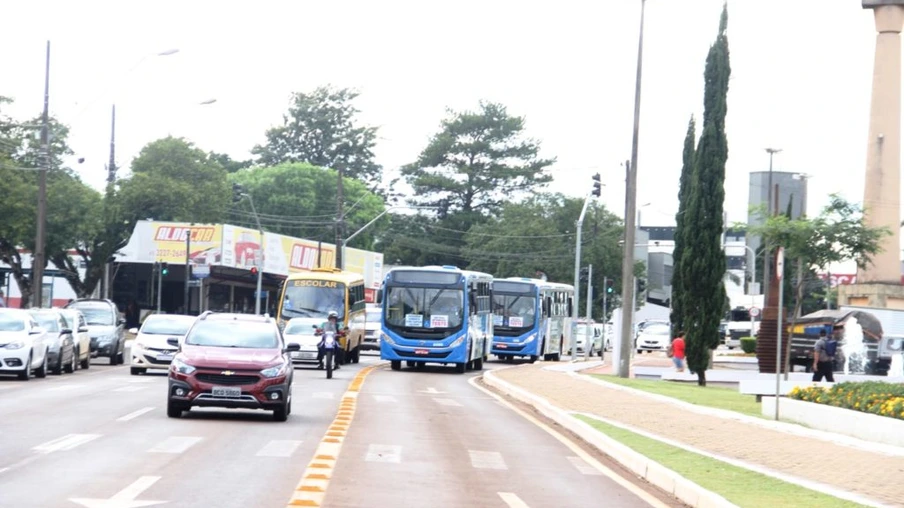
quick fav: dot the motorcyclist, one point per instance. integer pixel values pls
(330, 326)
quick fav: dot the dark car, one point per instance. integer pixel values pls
(231, 361)
(105, 328)
(61, 352)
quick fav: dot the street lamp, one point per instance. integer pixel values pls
(372, 221)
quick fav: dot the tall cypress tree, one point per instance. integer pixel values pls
(684, 191)
(702, 259)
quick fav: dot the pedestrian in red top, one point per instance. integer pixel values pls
(676, 352)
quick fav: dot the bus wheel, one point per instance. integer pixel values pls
(396, 364)
(460, 368)
(478, 364)
(410, 364)
(534, 358)
(420, 365)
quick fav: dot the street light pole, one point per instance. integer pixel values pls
(375, 219)
(38, 260)
(260, 269)
(624, 360)
(575, 308)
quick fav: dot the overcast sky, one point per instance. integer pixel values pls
(801, 74)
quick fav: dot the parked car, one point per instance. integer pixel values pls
(76, 322)
(60, 342)
(232, 361)
(373, 327)
(300, 331)
(105, 328)
(23, 345)
(151, 349)
(653, 337)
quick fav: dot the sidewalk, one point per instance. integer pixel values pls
(871, 475)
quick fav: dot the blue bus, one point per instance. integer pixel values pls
(532, 318)
(436, 314)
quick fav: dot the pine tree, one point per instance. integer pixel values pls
(684, 188)
(703, 259)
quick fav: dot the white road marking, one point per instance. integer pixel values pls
(125, 498)
(384, 453)
(447, 402)
(67, 442)
(584, 467)
(512, 500)
(385, 398)
(141, 380)
(431, 390)
(129, 389)
(65, 387)
(487, 460)
(3, 469)
(134, 414)
(175, 444)
(322, 395)
(278, 448)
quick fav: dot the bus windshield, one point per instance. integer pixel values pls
(418, 307)
(514, 311)
(306, 298)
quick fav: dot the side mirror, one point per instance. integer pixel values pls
(133, 331)
(83, 329)
(292, 347)
(36, 331)
(379, 296)
(172, 341)
(315, 327)
(121, 322)
(66, 331)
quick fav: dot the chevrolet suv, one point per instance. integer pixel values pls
(231, 361)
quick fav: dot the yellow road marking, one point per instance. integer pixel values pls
(311, 490)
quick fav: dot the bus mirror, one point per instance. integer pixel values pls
(379, 296)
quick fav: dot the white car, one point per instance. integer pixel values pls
(653, 337)
(300, 331)
(580, 337)
(75, 320)
(150, 350)
(373, 327)
(23, 345)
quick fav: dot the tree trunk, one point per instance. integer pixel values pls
(9, 254)
(701, 378)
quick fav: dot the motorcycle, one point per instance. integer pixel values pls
(330, 346)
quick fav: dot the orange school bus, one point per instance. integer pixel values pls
(312, 295)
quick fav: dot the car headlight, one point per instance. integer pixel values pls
(457, 341)
(181, 367)
(140, 345)
(273, 371)
(16, 344)
(530, 338)
(895, 344)
(387, 339)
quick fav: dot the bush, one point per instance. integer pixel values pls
(748, 344)
(876, 397)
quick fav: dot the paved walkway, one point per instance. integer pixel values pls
(872, 475)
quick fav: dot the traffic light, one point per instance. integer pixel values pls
(164, 269)
(237, 192)
(597, 185)
(254, 271)
(609, 286)
(583, 274)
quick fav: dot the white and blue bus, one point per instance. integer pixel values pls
(532, 318)
(436, 314)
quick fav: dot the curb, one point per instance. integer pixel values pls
(655, 473)
(780, 426)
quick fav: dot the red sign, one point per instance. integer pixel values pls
(421, 352)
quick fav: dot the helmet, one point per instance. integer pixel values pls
(332, 314)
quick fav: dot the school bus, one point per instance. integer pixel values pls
(310, 296)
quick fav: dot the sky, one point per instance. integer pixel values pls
(801, 77)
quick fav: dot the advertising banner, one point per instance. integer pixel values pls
(168, 242)
(241, 247)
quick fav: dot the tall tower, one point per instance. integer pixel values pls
(882, 190)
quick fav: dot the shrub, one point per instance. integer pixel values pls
(876, 397)
(748, 344)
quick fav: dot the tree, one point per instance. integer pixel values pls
(703, 260)
(677, 299)
(300, 200)
(229, 164)
(322, 129)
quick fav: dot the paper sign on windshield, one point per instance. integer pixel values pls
(439, 321)
(414, 320)
(516, 321)
(497, 320)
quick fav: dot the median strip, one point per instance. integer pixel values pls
(311, 490)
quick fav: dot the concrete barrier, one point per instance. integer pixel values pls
(865, 426)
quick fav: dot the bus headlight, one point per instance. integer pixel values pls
(530, 338)
(457, 342)
(386, 339)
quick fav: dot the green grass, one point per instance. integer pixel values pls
(710, 396)
(740, 486)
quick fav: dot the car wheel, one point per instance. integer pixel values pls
(72, 365)
(281, 413)
(86, 363)
(138, 370)
(173, 410)
(25, 375)
(57, 369)
(42, 370)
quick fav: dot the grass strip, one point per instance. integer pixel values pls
(708, 396)
(740, 486)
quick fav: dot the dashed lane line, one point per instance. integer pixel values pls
(311, 490)
(134, 414)
(512, 500)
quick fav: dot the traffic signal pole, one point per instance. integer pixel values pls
(589, 345)
(159, 288)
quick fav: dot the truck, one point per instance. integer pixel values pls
(738, 322)
(807, 331)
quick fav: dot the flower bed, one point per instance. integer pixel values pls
(876, 397)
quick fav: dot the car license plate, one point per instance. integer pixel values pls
(296, 354)
(502, 346)
(165, 358)
(308, 356)
(421, 352)
(226, 391)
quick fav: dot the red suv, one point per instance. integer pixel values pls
(231, 361)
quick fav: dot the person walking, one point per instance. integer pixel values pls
(676, 352)
(824, 357)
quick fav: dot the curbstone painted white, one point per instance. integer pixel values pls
(866, 426)
(685, 490)
(788, 428)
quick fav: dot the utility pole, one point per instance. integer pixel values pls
(187, 267)
(575, 309)
(605, 310)
(624, 361)
(589, 335)
(111, 179)
(769, 213)
(260, 269)
(340, 222)
(159, 287)
(39, 259)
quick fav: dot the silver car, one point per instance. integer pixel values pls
(373, 326)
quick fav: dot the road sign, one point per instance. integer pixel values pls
(754, 311)
(263, 294)
(200, 271)
(194, 283)
(780, 263)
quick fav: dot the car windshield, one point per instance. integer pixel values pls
(166, 325)
(237, 334)
(97, 314)
(314, 298)
(515, 311)
(11, 323)
(414, 307)
(302, 326)
(656, 330)
(49, 322)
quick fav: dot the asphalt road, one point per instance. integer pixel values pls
(101, 438)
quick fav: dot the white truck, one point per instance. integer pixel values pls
(738, 320)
